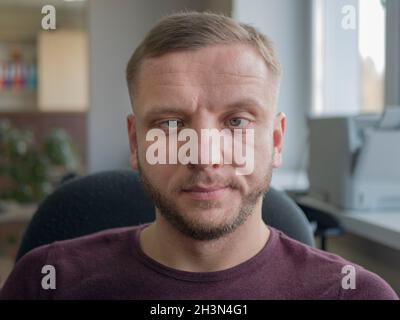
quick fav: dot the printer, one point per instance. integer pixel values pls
(354, 161)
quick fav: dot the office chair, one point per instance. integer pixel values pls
(113, 199)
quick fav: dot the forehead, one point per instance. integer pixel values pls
(212, 73)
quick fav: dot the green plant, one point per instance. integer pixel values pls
(29, 172)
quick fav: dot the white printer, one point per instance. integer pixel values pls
(354, 161)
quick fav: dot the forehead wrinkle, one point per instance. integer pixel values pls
(245, 63)
(208, 93)
(215, 73)
(204, 85)
(227, 73)
(220, 79)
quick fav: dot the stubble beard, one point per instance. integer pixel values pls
(195, 229)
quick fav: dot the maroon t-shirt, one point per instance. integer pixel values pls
(111, 265)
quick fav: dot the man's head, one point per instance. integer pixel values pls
(205, 71)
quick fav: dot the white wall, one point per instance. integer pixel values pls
(392, 80)
(115, 29)
(342, 72)
(287, 23)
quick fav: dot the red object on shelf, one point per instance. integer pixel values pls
(17, 76)
(2, 75)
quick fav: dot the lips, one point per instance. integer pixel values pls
(203, 189)
(206, 192)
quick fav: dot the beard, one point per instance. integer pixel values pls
(196, 229)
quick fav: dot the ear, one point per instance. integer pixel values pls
(131, 124)
(278, 134)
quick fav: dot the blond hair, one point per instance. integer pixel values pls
(191, 30)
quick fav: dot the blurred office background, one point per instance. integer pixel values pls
(66, 87)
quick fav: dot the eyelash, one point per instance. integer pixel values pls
(165, 121)
(181, 122)
(240, 119)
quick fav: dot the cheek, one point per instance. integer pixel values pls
(263, 147)
(162, 176)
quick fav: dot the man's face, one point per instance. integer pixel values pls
(217, 87)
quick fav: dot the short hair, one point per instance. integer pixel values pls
(191, 30)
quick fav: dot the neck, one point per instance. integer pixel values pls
(163, 243)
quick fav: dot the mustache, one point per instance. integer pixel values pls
(206, 179)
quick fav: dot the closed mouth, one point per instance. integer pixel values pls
(203, 188)
(206, 193)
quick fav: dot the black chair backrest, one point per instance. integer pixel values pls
(115, 199)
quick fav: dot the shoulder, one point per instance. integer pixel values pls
(70, 258)
(102, 240)
(92, 244)
(24, 280)
(335, 276)
(365, 286)
(86, 254)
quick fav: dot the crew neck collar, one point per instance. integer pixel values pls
(254, 263)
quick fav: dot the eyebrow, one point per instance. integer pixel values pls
(157, 111)
(243, 104)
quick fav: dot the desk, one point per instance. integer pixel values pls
(382, 226)
(294, 180)
(14, 212)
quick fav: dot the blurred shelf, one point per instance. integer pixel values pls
(289, 180)
(11, 212)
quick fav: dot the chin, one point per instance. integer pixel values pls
(209, 217)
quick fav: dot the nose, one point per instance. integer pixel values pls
(210, 153)
(201, 166)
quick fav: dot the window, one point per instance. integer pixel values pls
(371, 32)
(348, 62)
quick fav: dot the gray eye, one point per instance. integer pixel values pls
(237, 122)
(171, 124)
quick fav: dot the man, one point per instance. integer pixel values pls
(199, 71)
